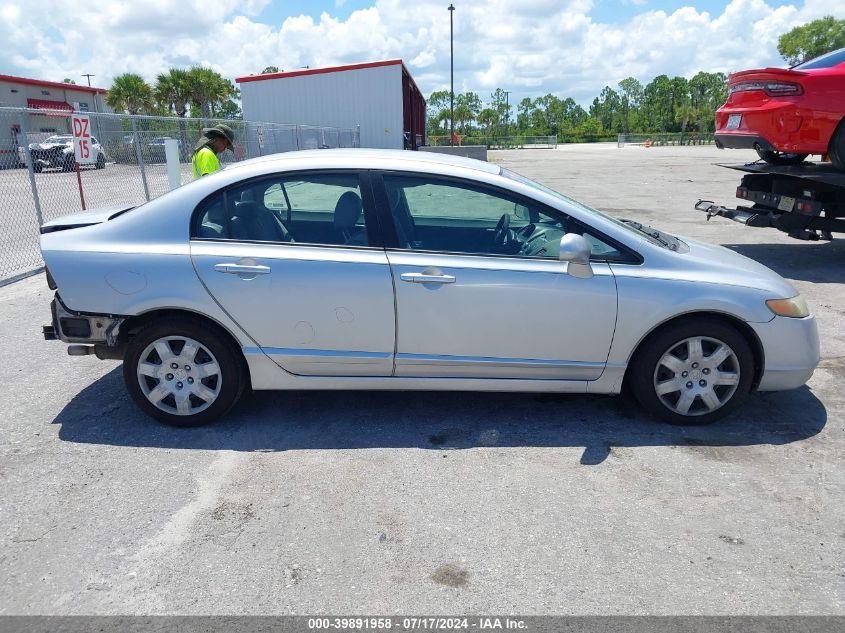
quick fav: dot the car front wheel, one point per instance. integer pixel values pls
(183, 373)
(693, 372)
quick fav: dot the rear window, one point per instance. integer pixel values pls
(828, 60)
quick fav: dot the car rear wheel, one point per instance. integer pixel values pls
(836, 150)
(780, 158)
(101, 162)
(693, 372)
(183, 373)
(69, 164)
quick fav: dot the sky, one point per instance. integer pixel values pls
(570, 48)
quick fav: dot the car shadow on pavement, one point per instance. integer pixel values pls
(819, 262)
(103, 413)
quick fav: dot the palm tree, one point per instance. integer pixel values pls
(130, 93)
(173, 92)
(488, 117)
(462, 115)
(207, 87)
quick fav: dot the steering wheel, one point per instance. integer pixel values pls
(500, 235)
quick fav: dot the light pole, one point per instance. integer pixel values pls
(507, 112)
(452, 76)
(88, 75)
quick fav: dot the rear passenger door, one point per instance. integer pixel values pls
(297, 262)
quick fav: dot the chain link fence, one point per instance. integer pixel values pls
(38, 179)
(666, 138)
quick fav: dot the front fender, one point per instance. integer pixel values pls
(645, 304)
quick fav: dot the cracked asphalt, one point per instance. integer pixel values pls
(411, 503)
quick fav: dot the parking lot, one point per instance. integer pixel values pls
(436, 503)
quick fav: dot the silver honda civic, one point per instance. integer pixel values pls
(365, 269)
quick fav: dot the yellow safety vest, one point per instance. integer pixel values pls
(205, 162)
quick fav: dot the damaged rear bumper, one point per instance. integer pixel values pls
(96, 334)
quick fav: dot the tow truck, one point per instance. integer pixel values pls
(806, 201)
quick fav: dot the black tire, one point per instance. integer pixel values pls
(836, 149)
(69, 164)
(101, 162)
(780, 158)
(646, 371)
(37, 168)
(231, 374)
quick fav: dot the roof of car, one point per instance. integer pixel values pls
(359, 157)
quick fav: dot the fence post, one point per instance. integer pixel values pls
(136, 141)
(29, 167)
(298, 140)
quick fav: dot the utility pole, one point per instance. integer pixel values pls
(88, 75)
(507, 112)
(452, 75)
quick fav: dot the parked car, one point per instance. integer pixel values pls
(367, 269)
(152, 150)
(787, 114)
(57, 152)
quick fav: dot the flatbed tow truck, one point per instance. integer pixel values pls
(806, 201)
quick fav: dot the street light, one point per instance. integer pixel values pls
(507, 112)
(452, 76)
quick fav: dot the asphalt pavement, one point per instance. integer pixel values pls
(448, 503)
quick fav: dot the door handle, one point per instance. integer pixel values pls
(242, 269)
(424, 278)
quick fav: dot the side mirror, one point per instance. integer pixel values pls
(575, 251)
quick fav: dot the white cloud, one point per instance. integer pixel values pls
(530, 47)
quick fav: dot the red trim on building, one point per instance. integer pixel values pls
(321, 71)
(51, 84)
(56, 108)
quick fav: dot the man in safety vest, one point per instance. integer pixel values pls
(214, 140)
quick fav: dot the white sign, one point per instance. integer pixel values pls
(83, 148)
(260, 138)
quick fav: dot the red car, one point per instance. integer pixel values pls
(787, 113)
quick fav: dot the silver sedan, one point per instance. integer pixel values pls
(360, 269)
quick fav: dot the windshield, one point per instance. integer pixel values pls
(59, 139)
(653, 235)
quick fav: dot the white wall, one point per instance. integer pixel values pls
(369, 97)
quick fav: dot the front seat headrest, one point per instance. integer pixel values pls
(347, 211)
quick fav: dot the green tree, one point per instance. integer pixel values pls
(812, 39)
(68, 80)
(270, 69)
(526, 113)
(469, 104)
(630, 96)
(130, 93)
(488, 117)
(657, 104)
(173, 92)
(591, 127)
(463, 115)
(500, 103)
(207, 88)
(438, 100)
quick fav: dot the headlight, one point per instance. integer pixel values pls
(795, 308)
